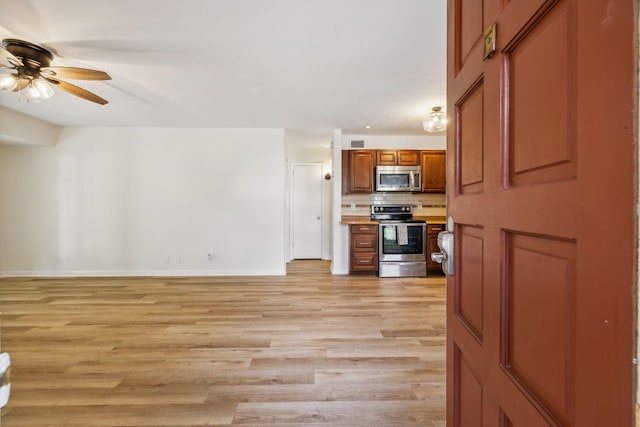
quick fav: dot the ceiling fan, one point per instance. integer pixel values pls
(32, 71)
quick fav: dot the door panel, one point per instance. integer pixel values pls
(538, 346)
(307, 211)
(469, 289)
(540, 117)
(539, 309)
(469, 393)
(470, 142)
(468, 30)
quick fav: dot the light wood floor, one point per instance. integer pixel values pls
(304, 349)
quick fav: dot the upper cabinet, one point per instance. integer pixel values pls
(361, 170)
(434, 171)
(358, 168)
(397, 158)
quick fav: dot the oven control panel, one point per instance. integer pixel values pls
(391, 211)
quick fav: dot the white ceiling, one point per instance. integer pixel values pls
(296, 64)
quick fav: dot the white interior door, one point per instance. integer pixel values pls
(307, 211)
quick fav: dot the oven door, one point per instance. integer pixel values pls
(402, 241)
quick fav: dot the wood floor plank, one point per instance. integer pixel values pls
(389, 413)
(303, 349)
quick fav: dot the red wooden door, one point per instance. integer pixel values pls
(541, 188)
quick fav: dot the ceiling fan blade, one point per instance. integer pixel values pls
(74, 73)
(121, 51)
(77, 91)
(10, 57)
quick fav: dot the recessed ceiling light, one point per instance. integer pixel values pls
(367, 127)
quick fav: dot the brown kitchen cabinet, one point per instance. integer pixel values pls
(358, 168)
(361, 164)
(432, 246)
(363, 248)
(397, 158)
(434, 171)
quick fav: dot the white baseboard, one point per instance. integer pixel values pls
(141, 273)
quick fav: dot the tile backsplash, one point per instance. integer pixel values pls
(424, 204)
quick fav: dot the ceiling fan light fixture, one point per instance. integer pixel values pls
(436, 121)
(8, 82)
(33, 73)
(39, 89)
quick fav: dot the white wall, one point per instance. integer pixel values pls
(340, 241)
(140, 201)
(18, 128)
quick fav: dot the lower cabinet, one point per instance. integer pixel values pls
(363, 252)
(432, 246)
(363, 247)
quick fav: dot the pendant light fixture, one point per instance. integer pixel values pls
(436, 121)
(30, 72)
(39, 89)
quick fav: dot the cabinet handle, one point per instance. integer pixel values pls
(363, 261)
(364, 228)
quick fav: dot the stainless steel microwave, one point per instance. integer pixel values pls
(398, 178)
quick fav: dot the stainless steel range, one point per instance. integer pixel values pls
(401, 241)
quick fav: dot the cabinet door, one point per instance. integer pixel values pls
(364, 262)
(361, 165)
(408, 158)
(386, 158)
(371, 229)
(363, 243)
(397, 158)
(433, 171)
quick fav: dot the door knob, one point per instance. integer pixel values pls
(437, 257)
(445, 243)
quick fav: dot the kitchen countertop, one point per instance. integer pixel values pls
(353, 219)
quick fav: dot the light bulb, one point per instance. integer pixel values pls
(8, 82)
(435, 121)
(39, 90)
